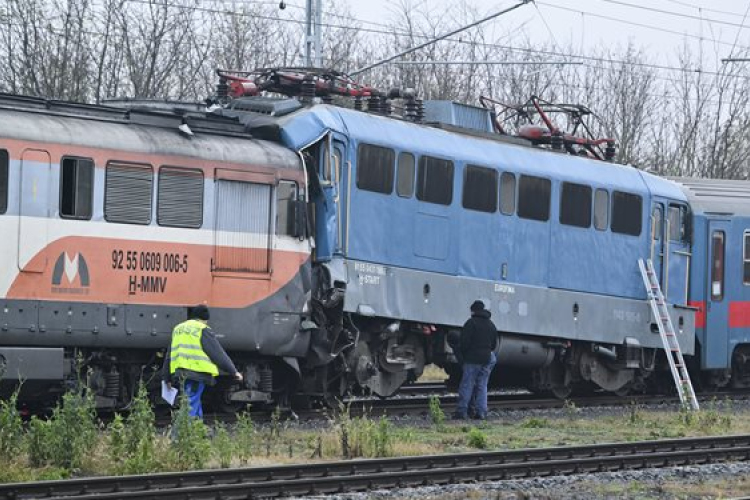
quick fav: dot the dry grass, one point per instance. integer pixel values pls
(433, 373)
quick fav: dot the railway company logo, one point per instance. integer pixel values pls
(71, 275)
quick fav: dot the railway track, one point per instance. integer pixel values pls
(416, 406)
(363, 475)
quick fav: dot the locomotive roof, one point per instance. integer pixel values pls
(300, 128)
(139, 130)
(716, 196)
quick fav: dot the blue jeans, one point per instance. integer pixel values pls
(473, 388)
(194, 391)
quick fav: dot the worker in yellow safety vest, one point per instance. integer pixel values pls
(195, 357)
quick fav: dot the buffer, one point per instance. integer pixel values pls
(669, 339)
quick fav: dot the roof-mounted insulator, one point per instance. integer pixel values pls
(385, 105)
(556, 140)
(307, 89)
(609, 151)
(373, 103)
(327, 99)
(358, 103)
(222, 88)
(420, 110)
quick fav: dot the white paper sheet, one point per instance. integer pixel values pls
(168, 393)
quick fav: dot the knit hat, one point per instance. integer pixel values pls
(478, 305)
(199, 312)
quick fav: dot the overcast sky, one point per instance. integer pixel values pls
(715, 24)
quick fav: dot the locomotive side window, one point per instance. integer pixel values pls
(180, 198)
(286, 195)
(717, 265)
(3, 181)
(375, 166)
(601, 209)
(534, 195)
(626, 213)
(746, 259)
(76, 188)
(575, 205)
(677, 220)
(656, 216)
(405, 180)
(480, 189)
(128, 191)
(507, 193)
(435, 180)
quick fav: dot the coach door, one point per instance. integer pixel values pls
(34, 210)
(717, 304)
(657, 239)
(341, 174)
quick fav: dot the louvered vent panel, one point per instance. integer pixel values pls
(243, 224)
(180, 202)
(128, 193)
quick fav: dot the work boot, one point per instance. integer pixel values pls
(458, 416)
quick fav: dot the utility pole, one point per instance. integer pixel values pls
(313, 38)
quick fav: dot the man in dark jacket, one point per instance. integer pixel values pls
(195, 357)
(478, 343)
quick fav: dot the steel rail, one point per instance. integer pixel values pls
(358, 475)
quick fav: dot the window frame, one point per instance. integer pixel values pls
(723, 237)
(402, 154)
(640, 215)
(549, 198)
(5, 174)
(420, 192)
(512, 176)
(495, 195)
(61, 186)
(143, 166)
(590, 204)
(392, 168)
(295, 198)
(607, 206)
(158, 195)
(745, 256)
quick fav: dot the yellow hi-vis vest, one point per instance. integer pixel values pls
(187, 352)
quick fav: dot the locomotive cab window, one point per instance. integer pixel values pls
(435, 180)
(128, 189)
(746, 258)
(534, 195)
(677, 215)
(507, 193)
(180, 200)
(375, 168)
(575, 205)
(286, 197)
(656, 217)
(76, 188)
(627, 209)
(601, 209)
(480, 189)
(405, 180)
(3, 181)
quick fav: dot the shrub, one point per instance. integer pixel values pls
(535, 423)
(190, 444)
(477, 439)
(11, 428)
(133, 440)
(244, 437)
(437, 415)
(223, 446)
(68, 437)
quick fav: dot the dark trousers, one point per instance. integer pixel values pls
(473, 389)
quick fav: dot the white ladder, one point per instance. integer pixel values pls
(668, 338)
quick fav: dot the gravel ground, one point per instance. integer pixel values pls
(649, 483)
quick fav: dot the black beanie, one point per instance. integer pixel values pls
(199, 312)
(478, 305)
